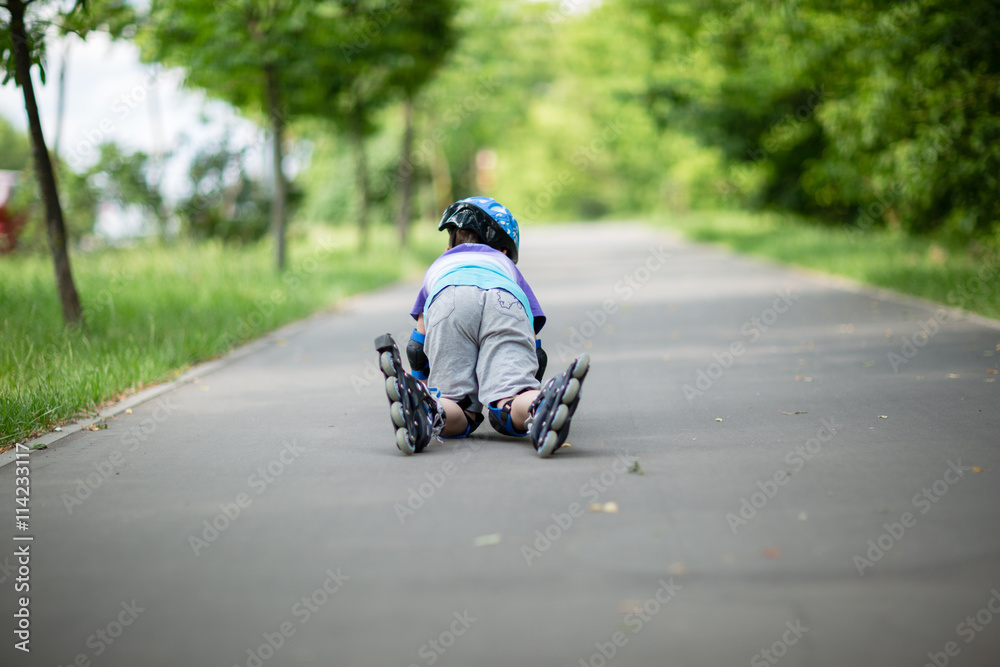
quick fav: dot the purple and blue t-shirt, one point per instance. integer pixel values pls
(482, 266)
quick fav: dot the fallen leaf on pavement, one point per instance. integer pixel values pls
(772, 552)
(991, 371)
(630, 606)
(608, 507)
(953, 376)
(883, 416)
(868, 364)
(797, 412)
(487, 540)
(976, 469)
(128, 411)
(718, 419)
(677, 569)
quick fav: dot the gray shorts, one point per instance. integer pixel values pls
(479, 344)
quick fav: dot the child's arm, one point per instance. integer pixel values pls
(420, 324)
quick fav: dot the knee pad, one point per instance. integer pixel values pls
(502, 423)
(473, 422)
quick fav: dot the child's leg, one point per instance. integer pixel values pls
(549, 409)
(457, 420)
(519, 407)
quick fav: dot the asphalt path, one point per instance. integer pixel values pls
(788, 470)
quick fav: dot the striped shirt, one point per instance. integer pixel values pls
(482, 266)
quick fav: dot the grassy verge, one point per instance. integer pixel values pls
(882, 258)
(151, 312)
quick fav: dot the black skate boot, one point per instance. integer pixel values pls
(553, 408)
(416, 413)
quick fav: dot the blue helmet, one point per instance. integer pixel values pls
(488, 218)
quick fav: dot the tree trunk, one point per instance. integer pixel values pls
(280, 189)
(404, 175)
(72, 312)
(361, 166)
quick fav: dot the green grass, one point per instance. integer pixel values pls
(151, 312)
(922, 267)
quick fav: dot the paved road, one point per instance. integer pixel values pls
(806, 498)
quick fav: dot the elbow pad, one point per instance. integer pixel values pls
(419, 365)
(543, 359)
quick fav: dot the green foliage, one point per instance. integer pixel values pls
(480, 98)
(125, 178)
(35, 31)
(226, 203)
(558, 93)
(327, 54)
(337, 61)
(879, 113)
(225, 47)
(328, 195)
(117, 18)
(387, 50)
(15, 149)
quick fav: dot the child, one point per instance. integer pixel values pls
(475, 343)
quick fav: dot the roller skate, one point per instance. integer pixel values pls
(415, 411)
(554, 406)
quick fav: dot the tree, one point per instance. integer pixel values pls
(870, 111)
(22, 48)
(483, 94)
(424, 35)
(125, 178)
(390, 52)
(262, 56)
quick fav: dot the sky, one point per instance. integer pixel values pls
(112, 96)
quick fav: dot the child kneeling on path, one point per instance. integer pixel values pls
(475, 343)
